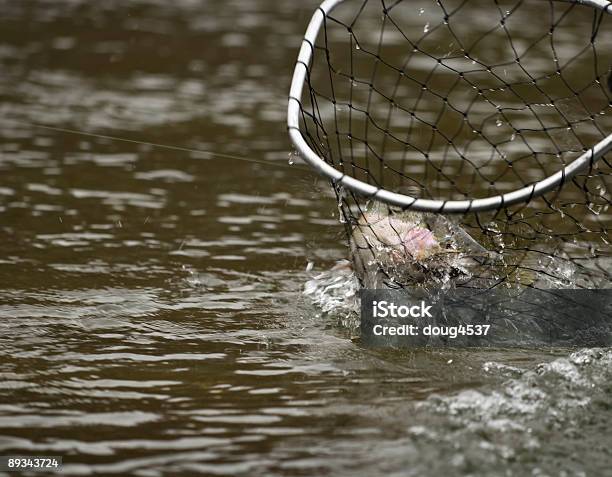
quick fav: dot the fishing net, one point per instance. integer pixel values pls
(451, 101)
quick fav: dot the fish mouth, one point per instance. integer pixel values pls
(398, 267)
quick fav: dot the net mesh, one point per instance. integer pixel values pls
(456, 99)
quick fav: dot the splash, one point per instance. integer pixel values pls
(335, 290)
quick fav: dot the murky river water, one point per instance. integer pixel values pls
(151, 310)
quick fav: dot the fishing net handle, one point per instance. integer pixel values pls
(495, 202)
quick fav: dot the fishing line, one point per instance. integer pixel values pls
(167, 146)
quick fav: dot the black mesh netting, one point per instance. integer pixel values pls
(457, 99)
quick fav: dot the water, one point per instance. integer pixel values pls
(152, 314)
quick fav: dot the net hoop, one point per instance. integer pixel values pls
(496, 202)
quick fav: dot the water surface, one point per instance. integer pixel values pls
(151, 308)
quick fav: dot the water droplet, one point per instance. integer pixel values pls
(421, 11)
(595, 208)
(426, 27)
(473, 62)
(292, 157)
(499, 123)
(513, 137)
(357, 47)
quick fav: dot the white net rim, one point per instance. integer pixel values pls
(495, 202)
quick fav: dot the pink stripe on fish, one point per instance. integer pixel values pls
(418, 240)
